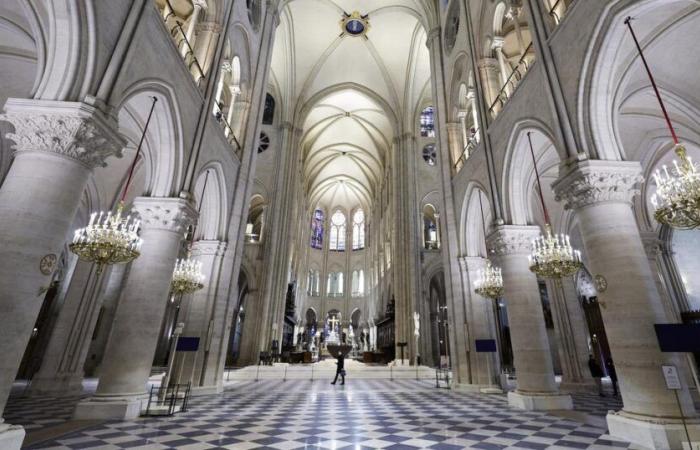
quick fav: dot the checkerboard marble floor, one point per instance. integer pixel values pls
(363, 414)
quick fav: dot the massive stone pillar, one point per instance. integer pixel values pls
(485, 367)
(204, 315)
(570, 328)
(600, 192)
(61, 371)
(110, 299)
(537, 388)
(129, 354)
(57, 144)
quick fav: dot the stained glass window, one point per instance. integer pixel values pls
(317, 229)
(337, 237)
(269, 112)
(427, 122)
(358, 230)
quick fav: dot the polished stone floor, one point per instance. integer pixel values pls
(363, 414)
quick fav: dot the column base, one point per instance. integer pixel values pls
(11, 436)
(110, 407)
(573, 387)
(653, 432)
(478, 388)
(206, 390)
(56, 386)
(540, 401)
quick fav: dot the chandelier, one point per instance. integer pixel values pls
(677, 198)
(110, 238)
(489, 283)
(187, 276)
(552, 254)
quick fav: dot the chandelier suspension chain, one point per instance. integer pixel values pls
(138, 150)
(537, 176)
(628, 22)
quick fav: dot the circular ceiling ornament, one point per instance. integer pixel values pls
(354, 24)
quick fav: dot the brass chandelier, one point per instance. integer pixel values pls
(489, 283)
(111, 238)
(187, 275)
(677, 198)
(552, 255)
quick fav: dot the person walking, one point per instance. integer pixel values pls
(596, 373)
(340, 370)
(612, 373)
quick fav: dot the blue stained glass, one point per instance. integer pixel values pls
(355, 26)
(317, 229)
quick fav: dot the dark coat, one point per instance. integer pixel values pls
(341, 363)
(596, 371)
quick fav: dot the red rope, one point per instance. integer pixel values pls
(628, 22)
(138, 151)
(537, 175)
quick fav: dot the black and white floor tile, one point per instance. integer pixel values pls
(363, 414)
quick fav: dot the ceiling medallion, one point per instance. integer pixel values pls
(354, 24)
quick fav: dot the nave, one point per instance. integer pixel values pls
(363, 414)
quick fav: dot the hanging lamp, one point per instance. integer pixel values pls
(677, 197)
(552, 255)
(187, 275)
(111, 238)
(489, 283)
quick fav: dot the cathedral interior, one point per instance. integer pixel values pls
(479, 216)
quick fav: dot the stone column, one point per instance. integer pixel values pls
(132, 344)
(492, 85)
(61, 371)
(485, 366)
(204, 48)
(198, 6)
(537, 388)
(570, 328)
(57, 144)
(204, 314)
(504, 67)
(112, 291)
(600, 192)
(454, 140)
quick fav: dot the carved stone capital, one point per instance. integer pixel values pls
(432, 34)
(213, 27)
(652, 244)
(165, 213)
(488, 64)
(71, 129)
(208, 247)
(594, 181)
(472, 263)
(512, 240)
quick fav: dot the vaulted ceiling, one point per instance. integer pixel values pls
(351, 93)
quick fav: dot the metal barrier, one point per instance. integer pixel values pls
(443, 375)
(166, 401)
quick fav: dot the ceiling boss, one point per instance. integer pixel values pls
(354, 24)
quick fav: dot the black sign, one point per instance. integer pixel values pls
(485, 345)
(187, 344)
(678, 337)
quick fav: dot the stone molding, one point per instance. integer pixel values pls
(165, 213)
(512, 239)
(208, 247)
(472, 263)
(652, 244)
(488, 64)
(596, 181)
(71, 129)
